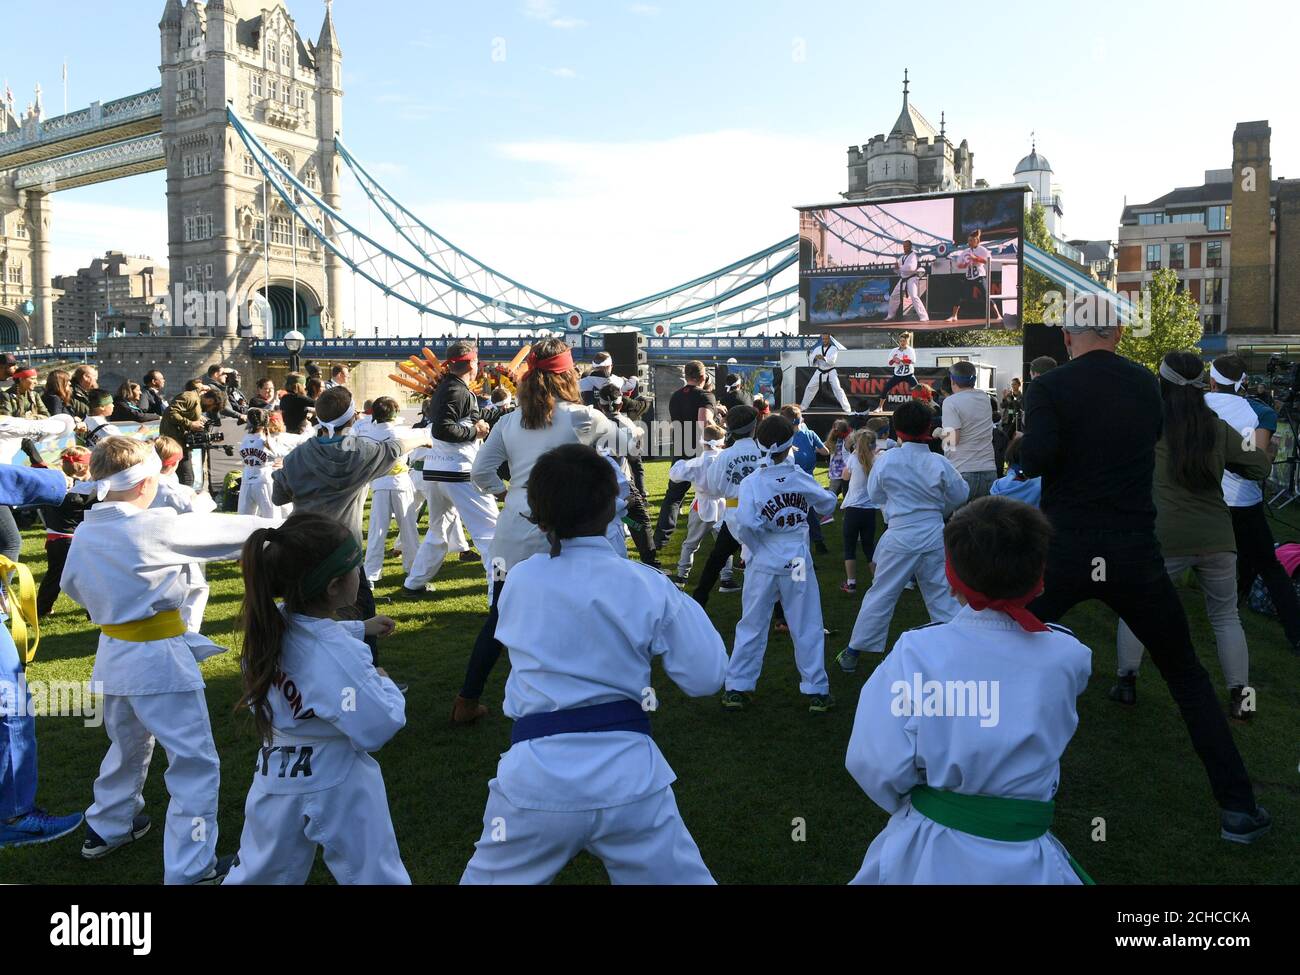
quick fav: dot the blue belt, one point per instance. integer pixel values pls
(615, 716)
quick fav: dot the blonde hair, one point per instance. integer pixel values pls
(906, 337)
(275, 425)
(712, 431)
(864, 448)
(168, 449)
(114, 454)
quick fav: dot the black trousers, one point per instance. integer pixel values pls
(724, 547)
(486, 652)
(1127, 573)
(637, 466)
(859, 526)
(185, 469)
(669, 510)
(56, 554)
(1255, 557)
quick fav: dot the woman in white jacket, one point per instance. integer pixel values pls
(550, 414)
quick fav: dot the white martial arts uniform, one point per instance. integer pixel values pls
(606, 792)
(772, 513)
(97, 429)
(616, 533)
(14, 430)
(126, 565)
(914, 490)
(907, 284)
(392, 499)
(822, 359)
(994, 723)
(183, 499)
(588, 385)
(447, 486)
(707, 509)
(513, 444)
(314, 784)
(261, 455)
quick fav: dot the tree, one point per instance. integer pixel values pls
(1167, 319)
(1032, 295)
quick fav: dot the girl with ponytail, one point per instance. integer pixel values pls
(319, 706)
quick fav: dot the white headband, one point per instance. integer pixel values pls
(733, 382)
(341, 420)
(777, 448)
(1223, 380)
(1168, 374)
(715, 444)
(604, 359)
(151, 466)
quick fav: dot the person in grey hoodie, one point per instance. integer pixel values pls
(330, 473)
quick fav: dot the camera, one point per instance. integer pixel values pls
(1283, 376)
(196, 439)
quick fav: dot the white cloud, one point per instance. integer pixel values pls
(546, 11)
(83, 230)
(564, 72)
(644, 9)
(615, 221)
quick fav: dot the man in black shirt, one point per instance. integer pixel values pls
(1091, 428)
(151, 396)
(690, 408)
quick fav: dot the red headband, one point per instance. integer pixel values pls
(913, 438)
(24, 373)
(471, 356)
(1014, 607)
(562, 362)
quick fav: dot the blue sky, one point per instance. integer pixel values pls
(608, 148)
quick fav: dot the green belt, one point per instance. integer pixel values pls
(989, 817)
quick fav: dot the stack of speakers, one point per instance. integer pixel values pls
(628, 350)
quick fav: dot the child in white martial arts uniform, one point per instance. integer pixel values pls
(582, 771)
(914, 489)
(126, 567)
(960, 730)
(707, 509)
(97, 425)
(392, 496)
(772, 514)
(320, 706)
(740, 458)
(261, 454)
(183, 499)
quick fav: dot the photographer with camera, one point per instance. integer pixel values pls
(188, 420)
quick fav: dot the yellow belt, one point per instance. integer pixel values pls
(23, 622)
(398, 468)
(733, 502)
(164, 626)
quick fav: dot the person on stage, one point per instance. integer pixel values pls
(822, 358)
(909, 272)
(974, 261)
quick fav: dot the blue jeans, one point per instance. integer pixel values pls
(17, 735)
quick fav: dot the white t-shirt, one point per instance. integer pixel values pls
(1238, 414)
(974, 269)
(971, 412)
(856, 496)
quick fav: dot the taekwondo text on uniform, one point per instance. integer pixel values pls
(102, 929)
(921, 698)
(57, 698)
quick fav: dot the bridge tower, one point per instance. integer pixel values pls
(227, 233)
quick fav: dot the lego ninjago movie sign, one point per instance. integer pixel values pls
(869, 388)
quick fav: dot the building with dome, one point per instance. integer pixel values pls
(913, 158)
(1035, 172)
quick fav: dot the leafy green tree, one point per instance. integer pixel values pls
(1166, 320)
(1036, 286)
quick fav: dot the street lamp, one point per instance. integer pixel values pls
(293, 343)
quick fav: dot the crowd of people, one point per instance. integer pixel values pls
(1004, 512)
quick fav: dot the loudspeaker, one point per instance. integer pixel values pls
(628, 351)
(1043, 340)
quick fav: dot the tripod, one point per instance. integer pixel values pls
(1291, 412)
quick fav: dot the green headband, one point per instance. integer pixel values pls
(342, 560)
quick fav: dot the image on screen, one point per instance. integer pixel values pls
(938, 261)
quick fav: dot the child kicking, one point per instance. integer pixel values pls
(320, 707)
(775, 506)
(183, 499)
(914, 488)
(582, 771)
(960, 730)
(126, 566)
(392, 494)
(707, 509)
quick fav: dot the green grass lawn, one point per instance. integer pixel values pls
(743, 779)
